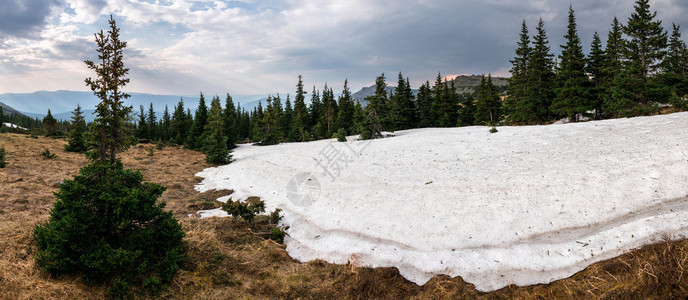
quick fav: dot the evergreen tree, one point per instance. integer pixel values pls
(573, 94)
(258, 122)
(300, 121)
(404, 107)
(614, 52)
(425, 109)
(595, 67)
(329, 112)
(675, 64)
(152, 123)
(49, 123)
(437, 109)
(194, 140)
(2, 117)
(214, 141)
(287, 118)
(345, 117)
(375, 110)
(77, 141)
(488, 106)
(165, 125)
(518, 83)
(466, 111)
(107, 133)
(359, 118)
(535, 108)
(230, 117)
(179, 124)
(645, 49)
(271, 133)
(142, 130)
(106, 223)
(315, 113)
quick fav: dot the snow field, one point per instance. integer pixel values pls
(525, 205)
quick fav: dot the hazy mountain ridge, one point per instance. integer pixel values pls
(6, 109)
(62, 103)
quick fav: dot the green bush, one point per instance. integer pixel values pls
(47, 154)
(276, 216)
(107, 223)
(340, 135)
(3, 160)
(247, 210)
(277, 234)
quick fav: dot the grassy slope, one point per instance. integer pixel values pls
(228, 261)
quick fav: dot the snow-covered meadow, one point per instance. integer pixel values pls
(525, 205)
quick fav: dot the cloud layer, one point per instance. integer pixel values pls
(254, 47)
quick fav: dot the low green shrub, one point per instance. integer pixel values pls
(47, 154)
(108, 225)
(3, 160)
(247, 210)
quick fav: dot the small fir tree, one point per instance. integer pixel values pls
(49, 123)
(106, 223)
(215, 142)
(77, 141)
(194, 139)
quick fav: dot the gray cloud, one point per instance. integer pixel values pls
(261, 46)
(24, 17)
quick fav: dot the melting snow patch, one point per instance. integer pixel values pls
(526, 205)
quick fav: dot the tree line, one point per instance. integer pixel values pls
(640, 70)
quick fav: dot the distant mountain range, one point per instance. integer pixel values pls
(62, 103)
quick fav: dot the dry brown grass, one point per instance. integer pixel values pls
(226, 261)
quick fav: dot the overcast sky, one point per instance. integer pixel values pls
(260, 46)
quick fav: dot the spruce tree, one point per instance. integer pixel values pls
(214, 141)
(595, 67)
(107, 224)
(573, 93)
(328, 115)
(287, 119)
(647, 39)
(142, 130)
(165, 125)
(271, 132)
(374, 111)
(425, 109)
(2, 117)
(230, 117)
(488, 106)
(300, 121)
(535, 109)
(257, 122)
(315, 114)
(151, 121)
(614, 52)
(49, 124)
(518, 83)
(77, 141)
(675, 64)
(437, 108)
(345, 117)
(403, 105)
(467, 111)
(194, 139)
(178, 124)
